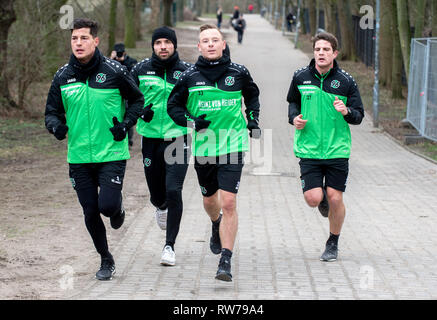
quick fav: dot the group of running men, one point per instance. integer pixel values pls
(181, 109)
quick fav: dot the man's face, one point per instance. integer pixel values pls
(211, 44)
(83, 44)
(163, 48)
(324, 55)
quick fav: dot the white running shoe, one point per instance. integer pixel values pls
(168, 257)
(161, 218)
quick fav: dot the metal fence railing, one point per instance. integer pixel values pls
(422, 87)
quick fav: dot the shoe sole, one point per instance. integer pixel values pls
(160, 227)
(224, 277)
(106, 279)
(328, 260)
(324, 212)
(167, 263)
(117, 227)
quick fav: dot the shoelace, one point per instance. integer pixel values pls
(107, 264)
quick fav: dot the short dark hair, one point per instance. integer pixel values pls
(86, 23)
(327, 37)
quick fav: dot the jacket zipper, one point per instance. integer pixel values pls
(89, 120)
(165, 102)
(322, 78)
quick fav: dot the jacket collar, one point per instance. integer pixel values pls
(86, 69)
(316, 73)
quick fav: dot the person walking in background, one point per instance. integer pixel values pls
(119, 54)
(208, 98)
(250, 8)
(323, 101)
(236, 13)
(86, 103)
(290, 21)
(240, 26)
(156, 78)
(235, 16)
(219, 17)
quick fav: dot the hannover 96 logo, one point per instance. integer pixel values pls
(147, 162)
(335, 84)
(101, 77)
(177, 74)
(229, 81)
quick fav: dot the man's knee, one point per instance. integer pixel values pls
(110, 207)
(228, 202)
(210, 202)
(335, 197)
(313, 197)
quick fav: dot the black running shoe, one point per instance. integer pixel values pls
(107, 269)
(214, 242)
(324, 205)
(117, 220)
(331, 252)
(224, 269)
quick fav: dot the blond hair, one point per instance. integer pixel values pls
(204, 27)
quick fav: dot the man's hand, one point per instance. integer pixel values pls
(113, 55)
(255, 131)
(147, 113)
(299, 123)
(340, 106)
(118, 130)
(200, 123)
(60, 131)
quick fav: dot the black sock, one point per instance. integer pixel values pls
(107, 255)
(226, 253)
(333, 238)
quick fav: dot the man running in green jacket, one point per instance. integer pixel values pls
(86, 102)
(323, 101)
(165, 171)
(208, 98)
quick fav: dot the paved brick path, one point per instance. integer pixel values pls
(387, 247)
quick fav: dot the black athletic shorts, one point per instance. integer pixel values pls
(333, 171)
(89, 175)
(224, 173)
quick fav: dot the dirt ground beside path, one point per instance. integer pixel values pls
(45, 249)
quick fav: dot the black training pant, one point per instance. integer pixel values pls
(86, 180)
(165, 168)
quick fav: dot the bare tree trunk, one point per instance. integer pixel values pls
(313, 16)
(330, 23)
(404, 32)
(167, 12)
(396, 84)
(7, 17)
(112, 25)
(180, 10)
(420, 18)
(129, 24)
(346, 29)
(154, 16)
(434, 18)
(302, 17)
(386, 43)
(138, 11)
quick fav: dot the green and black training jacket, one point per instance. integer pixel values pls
(156, 79)
(86, 98)
(216, 89)
(327, 134)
